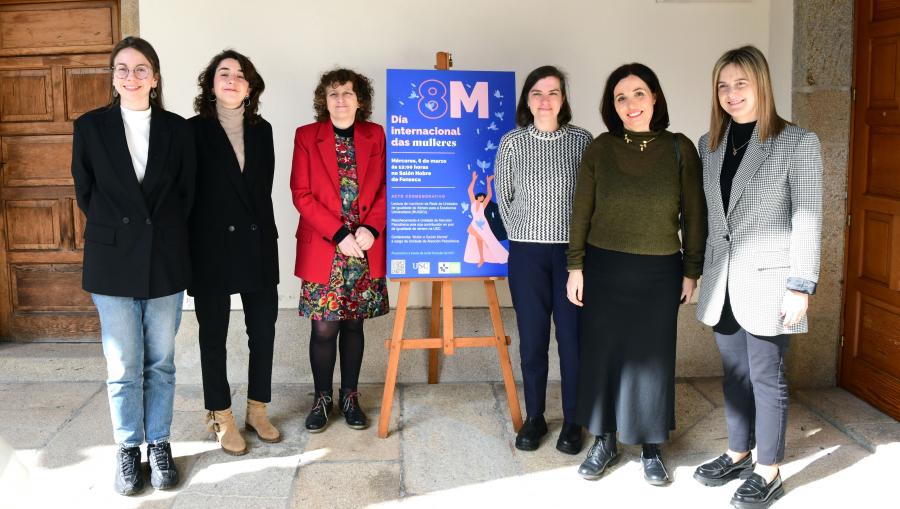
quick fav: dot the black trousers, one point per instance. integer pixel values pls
(756, 394)
(537, 283)
(260, 313)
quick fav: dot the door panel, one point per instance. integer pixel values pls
(53, 68)
(870, 356)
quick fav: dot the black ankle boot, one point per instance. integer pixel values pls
(318, 415)
(129, 479)
(163, 472)
(601, 455)
(655, 471)
(529, 436)
(353, 414)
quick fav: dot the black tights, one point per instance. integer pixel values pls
(323, 346)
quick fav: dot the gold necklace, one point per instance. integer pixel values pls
(735, 150)
(643, 144)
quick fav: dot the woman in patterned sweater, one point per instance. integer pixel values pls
(535, 175)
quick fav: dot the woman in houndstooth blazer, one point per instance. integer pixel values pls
(763, 182)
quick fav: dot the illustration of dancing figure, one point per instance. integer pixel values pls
(482, 246)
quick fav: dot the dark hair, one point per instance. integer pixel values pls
(480, 195)
(149, 53)
(660, 119)
(204, 103)
(362, 87)
(523, 112)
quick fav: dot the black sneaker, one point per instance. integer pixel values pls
(601, 455)
(129, 480)
(354, 415)
(318, 415)
(163, 472)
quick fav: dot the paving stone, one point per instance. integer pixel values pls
(839, 405)
(453, 436)
(711, 388)
(347, 484)
(205, 501)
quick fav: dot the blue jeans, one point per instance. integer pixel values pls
(139, 344)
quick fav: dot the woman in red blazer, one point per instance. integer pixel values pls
(338, 186)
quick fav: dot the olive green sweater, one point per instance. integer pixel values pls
(627, 199)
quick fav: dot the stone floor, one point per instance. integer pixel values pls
(450, 445)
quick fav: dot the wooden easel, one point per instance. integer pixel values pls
(442, 319)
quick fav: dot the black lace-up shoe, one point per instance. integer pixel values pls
(655, 471)
(569, 440)
(722, 470)
(318, 415)
(129, 480)
(163, 472)
(353, 414)
(755, 493)
(601, 455)
(529, 436)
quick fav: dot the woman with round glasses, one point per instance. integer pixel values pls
(234, 241)
(133, 165)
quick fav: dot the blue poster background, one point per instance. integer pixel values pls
(443, 127)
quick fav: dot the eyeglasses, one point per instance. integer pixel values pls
(141, 72)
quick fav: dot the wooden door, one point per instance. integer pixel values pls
(870, 357)
(54, 66)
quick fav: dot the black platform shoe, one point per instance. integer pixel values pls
(318, 415)
(755, 493)
(129, 479)
(353, 414)
(722, 470)
(601, 455)
(569, 440)
(655, 471)
(529, 436)
(163, 472)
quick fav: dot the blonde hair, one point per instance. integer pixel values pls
(752, 61)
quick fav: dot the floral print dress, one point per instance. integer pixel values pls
(351, 293)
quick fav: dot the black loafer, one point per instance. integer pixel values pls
(655, 471)
(601, 455)
(569, 440)
(756, 494)
(129, 478)
(529, 436)
(163, 472)
(317, 418)
(722, 470)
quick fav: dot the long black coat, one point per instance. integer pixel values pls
(136, 235)
(234, 246)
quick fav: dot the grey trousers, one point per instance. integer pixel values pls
(756, 394)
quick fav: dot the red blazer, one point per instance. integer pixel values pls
(315, 188)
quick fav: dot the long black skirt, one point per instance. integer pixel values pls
(626, 381)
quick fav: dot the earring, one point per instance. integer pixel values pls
(115, 93)
(247, 101)
(153, 94)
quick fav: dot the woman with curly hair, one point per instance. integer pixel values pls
(338, 186)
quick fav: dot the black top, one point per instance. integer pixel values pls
(346, 132)
(738, 137)
(136, 234)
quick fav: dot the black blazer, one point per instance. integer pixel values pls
(136, 235)
(234, 245)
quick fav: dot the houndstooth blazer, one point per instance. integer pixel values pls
(770, 232)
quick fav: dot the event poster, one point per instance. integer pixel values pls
(443, 128)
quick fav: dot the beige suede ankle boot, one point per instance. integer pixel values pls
(221, 422)
(258, 421)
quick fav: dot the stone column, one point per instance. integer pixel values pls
(822, 76)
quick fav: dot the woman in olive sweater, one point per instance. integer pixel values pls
(637, 186)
